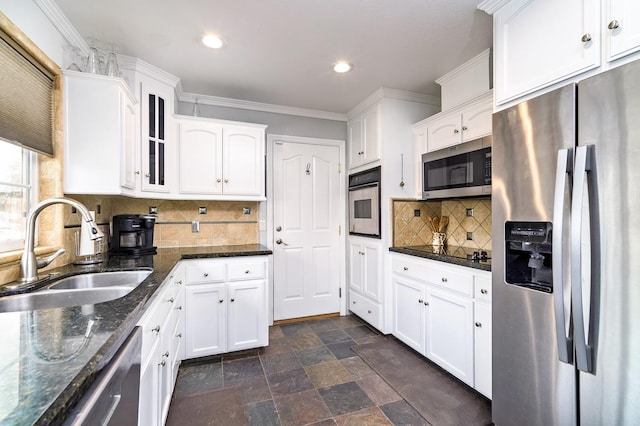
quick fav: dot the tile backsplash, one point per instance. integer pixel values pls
(468, 218)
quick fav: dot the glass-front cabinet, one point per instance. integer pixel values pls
(157, 140)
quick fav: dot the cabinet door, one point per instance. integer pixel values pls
(539, 42)
(200, 158)
(243, 161)
(372, 278)
(247, 320)
(129, 165)
(623, 27)
(482, 348)
(205, 320)
(444, 132)
(449, 332)
(371, 137)
(157, 102)
(356, 266)
(477, 120)
(355, 141)
(408, 312)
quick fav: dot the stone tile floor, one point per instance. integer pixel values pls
(308, 375)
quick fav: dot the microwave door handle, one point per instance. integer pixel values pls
(564, 341)
(585, 174)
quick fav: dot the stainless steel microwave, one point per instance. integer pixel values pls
(462, 170)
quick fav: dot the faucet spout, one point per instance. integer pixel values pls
(29, 263)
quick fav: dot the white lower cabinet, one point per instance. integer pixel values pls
(365, 278)
(226, 305)
(162, 337)
(443, 311)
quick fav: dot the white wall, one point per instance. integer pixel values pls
(28, 16)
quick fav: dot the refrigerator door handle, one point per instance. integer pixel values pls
(583, 171)
(565, 343)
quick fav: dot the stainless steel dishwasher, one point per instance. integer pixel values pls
(113, 398)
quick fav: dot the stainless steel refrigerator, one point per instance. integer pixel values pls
(566, 255)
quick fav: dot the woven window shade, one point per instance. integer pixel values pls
(26, 99)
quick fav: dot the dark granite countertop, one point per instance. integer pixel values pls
(455, 255)
(46, 360)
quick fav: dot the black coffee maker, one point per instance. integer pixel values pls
(133, 234)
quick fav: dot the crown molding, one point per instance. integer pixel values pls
(482, 57)
(386, 92)
(138, 65)
(492, 6)
(62, 24)
(258, 106)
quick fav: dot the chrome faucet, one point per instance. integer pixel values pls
(29, 264)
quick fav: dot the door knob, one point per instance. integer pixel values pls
(279, 241)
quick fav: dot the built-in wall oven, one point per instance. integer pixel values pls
(459, 171)
(364, 203)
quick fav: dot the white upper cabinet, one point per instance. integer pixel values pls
(100, 144)
(540, 42)
(364, 133)
(622, 27)
(220, 160)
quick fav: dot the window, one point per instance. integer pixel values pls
(17, 193)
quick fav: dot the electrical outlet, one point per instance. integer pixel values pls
(98, 208)
(202, 210)
(195, 226)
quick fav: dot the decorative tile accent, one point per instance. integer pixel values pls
(410, 230)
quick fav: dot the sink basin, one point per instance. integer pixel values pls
(101, 280)
(49, 299)
(76, 290)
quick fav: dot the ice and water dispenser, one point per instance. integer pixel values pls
(528, 255)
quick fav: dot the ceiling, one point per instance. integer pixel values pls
(282, 51)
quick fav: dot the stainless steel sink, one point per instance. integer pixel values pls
(101, 280)
(49, 299)
(76, 290)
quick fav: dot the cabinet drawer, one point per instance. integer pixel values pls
(482, 288)
(365, 309)
(416, 269)
(248, 270)
(453, 280)
(197, 272)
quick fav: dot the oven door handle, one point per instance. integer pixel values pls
(363, 186)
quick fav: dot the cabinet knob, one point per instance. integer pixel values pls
(465, 128)
(406, 268)
(171, 300)
(218, 180)
(233, 300)
(613, 25)
(354, 302)
(586, 38)
(179, 308)
(444, 280)
(456, 131)
(478, 324)
(221, 300)
(484, 291)
(165, 355)
(147, 175)
(420, 301)
(156, 329)
(179, 335)
(368, 311)
(426, 303)
(179, 282)
(206, 274)
(163, 363)
(247, 271)
(138, 172)
(361, 253)
(361, 153)
(226, 181)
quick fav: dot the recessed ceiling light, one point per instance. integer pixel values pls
(212, 41)
(342, 67)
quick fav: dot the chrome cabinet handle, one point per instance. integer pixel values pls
(163, 363)
(218, 180)
(206, 274)
(226, 181)
(156, 329)
(171, 300)
(478, 324)
(368, 311)
(426, 303)
(456, 131)
(406, 268)
(179, 308)
(484, 291)
(138, 172)
(232, 300)
(420, 301)
(613, 25)
(465, 128)
(179, 335)
(586, 38)
(179, 282)
(221, 300)
(564, 168)
(354, 302)
(166, 354)
(444, 280)
(247, 271)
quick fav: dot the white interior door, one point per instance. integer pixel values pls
(308, 211)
